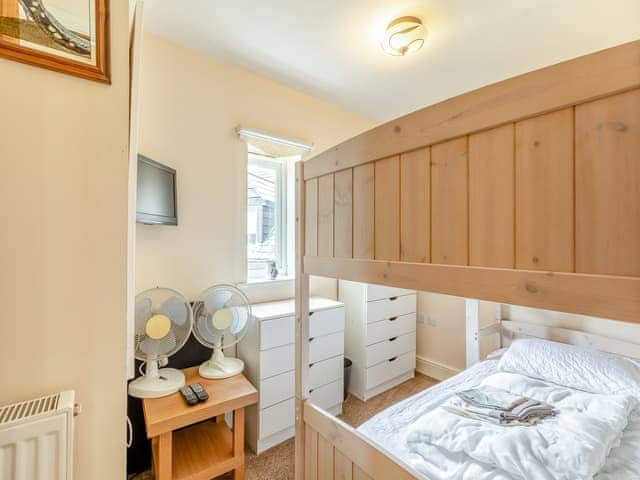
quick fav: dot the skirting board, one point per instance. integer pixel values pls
(434, 369)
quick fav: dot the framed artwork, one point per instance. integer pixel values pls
(68, 36)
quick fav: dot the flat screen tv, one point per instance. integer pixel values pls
(156, 197)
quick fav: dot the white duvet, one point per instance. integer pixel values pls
(390, 428)
(573, 445)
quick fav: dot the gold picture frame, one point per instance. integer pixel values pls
(67, 36)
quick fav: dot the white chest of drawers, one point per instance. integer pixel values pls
(380, 336)
(268, 351)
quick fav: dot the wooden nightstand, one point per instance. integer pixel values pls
(186, 442)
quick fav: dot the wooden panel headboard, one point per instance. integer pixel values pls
(526, 192)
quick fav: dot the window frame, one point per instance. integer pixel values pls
(285, 214)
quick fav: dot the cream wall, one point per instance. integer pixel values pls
(441, 338)
(63, 211)
(190, 105)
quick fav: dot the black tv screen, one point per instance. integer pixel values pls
(156, 197)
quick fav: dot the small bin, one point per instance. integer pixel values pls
(347, 376)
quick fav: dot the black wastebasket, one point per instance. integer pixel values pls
(347, 376)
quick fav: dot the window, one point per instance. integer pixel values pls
(269, 218)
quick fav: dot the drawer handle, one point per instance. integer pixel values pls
(393, 319)
(393, 359)
(393, 339)
(393, 299)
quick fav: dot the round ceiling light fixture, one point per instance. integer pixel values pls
(403, 36)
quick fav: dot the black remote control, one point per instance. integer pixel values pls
(188, 395)
(200, 392)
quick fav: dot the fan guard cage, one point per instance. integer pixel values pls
(224, 297)
(172, 304)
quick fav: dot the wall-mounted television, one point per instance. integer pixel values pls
(156, 193)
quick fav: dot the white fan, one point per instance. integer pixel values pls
(162, 326)
(222, 315)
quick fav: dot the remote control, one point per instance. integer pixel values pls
(200, 392)
(188, 395)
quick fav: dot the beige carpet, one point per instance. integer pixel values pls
(277, 463)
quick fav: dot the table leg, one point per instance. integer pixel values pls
(165, 456)
(238, 442)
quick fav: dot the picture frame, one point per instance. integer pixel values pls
(67, 36)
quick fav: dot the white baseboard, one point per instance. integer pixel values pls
(434, 369)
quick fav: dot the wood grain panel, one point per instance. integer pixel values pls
(343, 213)
(608, 185)
(491, 201)
(387, 209)
(311, 453)
(449, 203)
(544, 192)
(415, 205)
(325, 216)
(343, 467)
(311, 217)
(363, 211)
(373, 462)
(359, 474)
(325, 459)
(562, 85)
(597, 295)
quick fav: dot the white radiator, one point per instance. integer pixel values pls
(36, 438)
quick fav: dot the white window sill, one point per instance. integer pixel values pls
(267, 281)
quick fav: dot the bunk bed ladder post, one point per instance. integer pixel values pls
(302, 325)
(472, 308)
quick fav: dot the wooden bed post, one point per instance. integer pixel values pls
(302, 325)
(472, 331)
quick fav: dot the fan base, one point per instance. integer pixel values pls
(227, 367)
(169, 381)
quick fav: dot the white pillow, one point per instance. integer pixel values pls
(572, 366)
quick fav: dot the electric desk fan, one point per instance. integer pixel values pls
(163, 323)
(222, 314)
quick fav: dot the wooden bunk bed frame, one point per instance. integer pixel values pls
(523, 192)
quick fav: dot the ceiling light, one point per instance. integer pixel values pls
(403, 36)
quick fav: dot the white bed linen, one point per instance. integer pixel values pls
(572, 445)
(389, 430)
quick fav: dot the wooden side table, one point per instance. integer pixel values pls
(184, 444)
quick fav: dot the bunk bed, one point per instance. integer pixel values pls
(523, 192)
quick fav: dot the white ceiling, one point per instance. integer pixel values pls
(330, 48)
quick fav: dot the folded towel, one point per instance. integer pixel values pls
(498, 406)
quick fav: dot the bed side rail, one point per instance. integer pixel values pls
(336, 451)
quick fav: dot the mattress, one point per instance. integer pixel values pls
(388, 430)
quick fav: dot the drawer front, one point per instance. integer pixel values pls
(386, 329)
(325, 322)
(393, 347)
(277, 389)
(326, 371)
(278, 417)
(385, 371)
(378, 292)
(390, 307)
(277, 360)
(328, 396)
(277, 332)
(327, 346)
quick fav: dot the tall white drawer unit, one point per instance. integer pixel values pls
(268, 350)
(380, 336)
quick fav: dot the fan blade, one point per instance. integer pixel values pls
(205, 329)
(240, 318)
(176, 310)
(216, 300)
(143, 310)
(156, 348)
